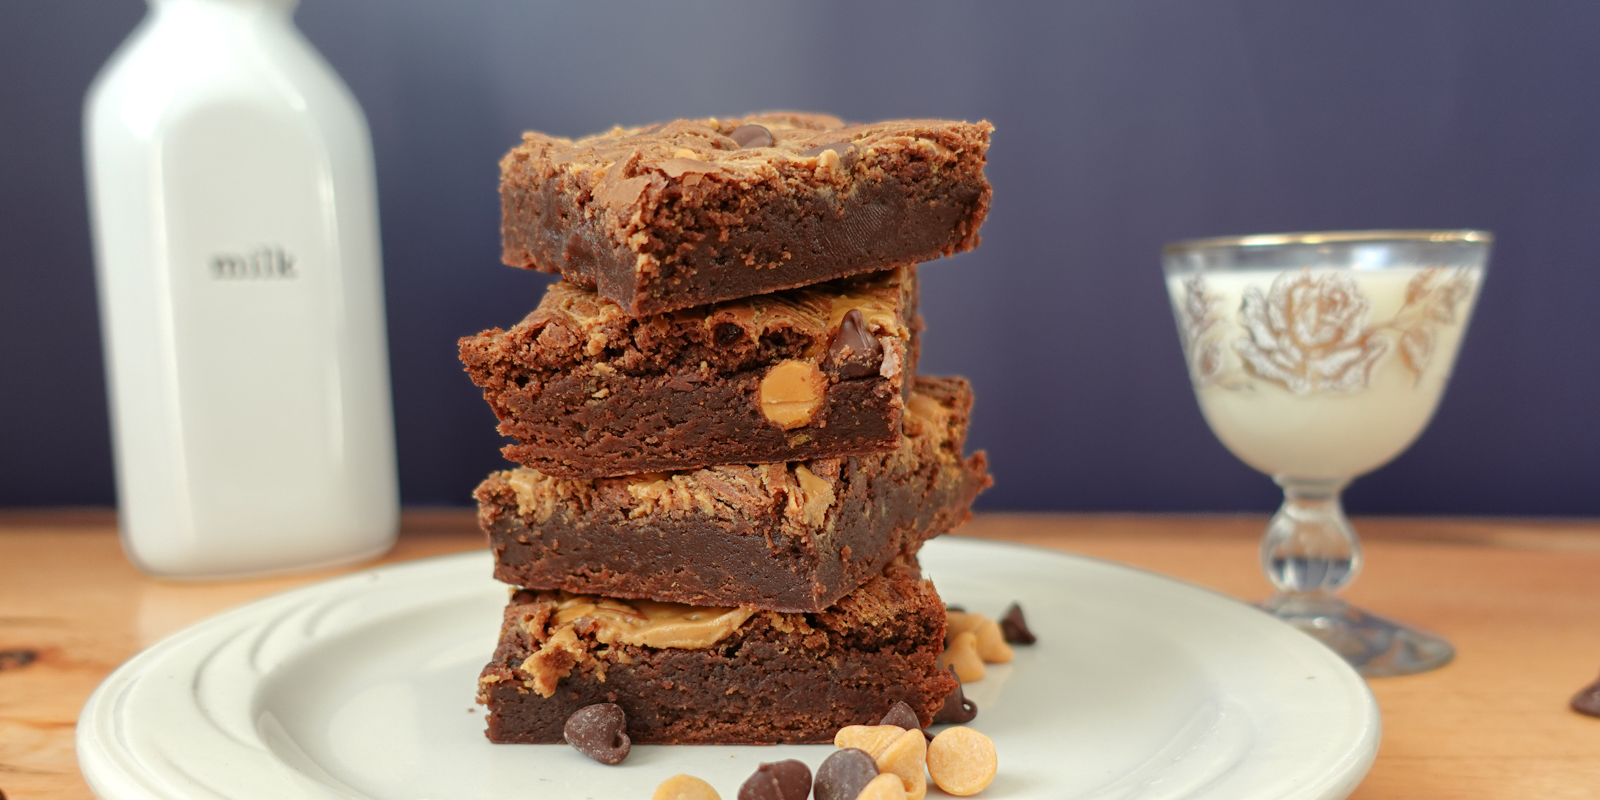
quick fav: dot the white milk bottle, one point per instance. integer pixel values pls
(241, 301)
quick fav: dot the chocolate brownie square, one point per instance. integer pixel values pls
(697, 675)
(691, 212)
(784, 537)
(588, 392)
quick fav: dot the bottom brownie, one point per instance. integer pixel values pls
(692, 675)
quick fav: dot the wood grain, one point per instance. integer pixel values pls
(1520, 599)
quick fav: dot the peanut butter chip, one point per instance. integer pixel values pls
(818, 495)
(791, 393)
(991, 640)
(992, 647)
(870, 738)
(959, 622)
(894, 749)
(883, 787)
(962, 761)
(907, 757)
(685, 787)
(963, 657)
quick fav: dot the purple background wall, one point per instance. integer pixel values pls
(1122, 124)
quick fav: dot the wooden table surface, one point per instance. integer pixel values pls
(1521, 601)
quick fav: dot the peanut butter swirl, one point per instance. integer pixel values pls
(606, 623)
(646, 623)
(813, 312)
(808, 490)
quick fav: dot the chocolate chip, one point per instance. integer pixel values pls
(17, 659)
(1587, 700)
(600, 732)
(784, 780)
(854, 351)
(957, 708)
(902, 716)
(956, 609)
(1014, 627)
(843, 774)
(727, 333)
(846, 151)
(752, 136)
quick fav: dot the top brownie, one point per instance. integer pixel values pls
(692, 212)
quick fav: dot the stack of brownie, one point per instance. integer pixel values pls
(727, 459)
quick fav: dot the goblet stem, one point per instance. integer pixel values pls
(1310, 552)
(1309, 549)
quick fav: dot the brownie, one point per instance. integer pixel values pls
(691, 212)
(786, 537)
(588, 392)
(694, 675)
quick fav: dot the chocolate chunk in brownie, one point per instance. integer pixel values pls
(690, 212)
(696, 675)
(587, 391)
(785, 537)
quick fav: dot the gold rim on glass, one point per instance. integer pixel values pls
(1330, 237)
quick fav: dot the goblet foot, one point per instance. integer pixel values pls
(1375, 646)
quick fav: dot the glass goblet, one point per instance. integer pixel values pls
(1316, 358)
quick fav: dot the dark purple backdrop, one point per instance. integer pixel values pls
(1121, 125)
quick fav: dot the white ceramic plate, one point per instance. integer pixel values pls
(362, 686)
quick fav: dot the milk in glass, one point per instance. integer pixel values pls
(1321, 374)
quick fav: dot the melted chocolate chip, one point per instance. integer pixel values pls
(846, 151)
(843, 774)
(784, 780)
(17, 659)
(727, 333)
(1014, 627)
(956, 609)
(752, 136)
(600, 732)
(854, 351)
(901, 715)
(1587, 700)
(957, 708)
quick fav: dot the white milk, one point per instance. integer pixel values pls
(1311, 403)
(236, 232)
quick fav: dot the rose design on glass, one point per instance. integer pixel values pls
(1309, 334)
(1196, 319)
(1431, 297)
